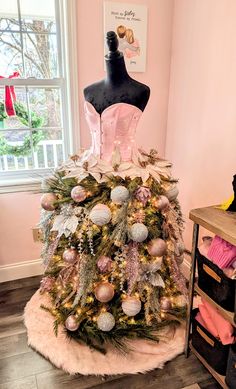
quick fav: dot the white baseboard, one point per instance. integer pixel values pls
(19, 270)
(185, 267)
(34, 268)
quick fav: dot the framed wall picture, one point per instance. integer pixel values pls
(129, 21)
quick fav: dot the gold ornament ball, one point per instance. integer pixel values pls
(104, 292)
(180, 301)
(47, 201)
(131, 306)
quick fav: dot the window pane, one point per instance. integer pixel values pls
(9, 15)
(38, 16)
(49, 152)
(10, 54)
(21, 109)
(15, 150)
(40, 52)
(46, 103)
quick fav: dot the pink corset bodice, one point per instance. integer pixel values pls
(115, 127)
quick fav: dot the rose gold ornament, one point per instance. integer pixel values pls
(157, 247)
(47, 201)
(78, 193)
(70, 255)
(165, 303)
(162, 203)
(104, 264)
(131, 306)
(104, 292)
(71, 323)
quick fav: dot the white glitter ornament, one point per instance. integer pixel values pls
(157, 247)
(106, 321)
(172, 193)
(78, 193)
(138, 232)
(119, 194)
(131, 306)
(100, 214)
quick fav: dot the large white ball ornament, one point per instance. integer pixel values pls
(100, 214)
(119, 194)
(157, 247)
(106, 321)
(172, 193)
(131, 306)
(138, 232)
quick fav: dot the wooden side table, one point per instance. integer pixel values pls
(223, 224)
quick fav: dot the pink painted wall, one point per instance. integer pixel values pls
(201, 135)
(159, 35)
(20, 211)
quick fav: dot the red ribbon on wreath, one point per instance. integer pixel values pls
(10, 96)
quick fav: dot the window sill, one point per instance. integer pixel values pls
(20, 185)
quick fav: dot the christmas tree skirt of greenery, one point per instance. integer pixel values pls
(74, 357)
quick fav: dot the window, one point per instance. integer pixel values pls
(34, 85)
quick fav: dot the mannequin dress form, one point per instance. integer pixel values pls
(118, 86)
(113, 108)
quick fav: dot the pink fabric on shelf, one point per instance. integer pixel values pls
(216, 324)
(116, 126)
(208, 322)
(204, 247)
(222, 253)
(200, 320)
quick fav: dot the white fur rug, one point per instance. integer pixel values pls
(78, 358)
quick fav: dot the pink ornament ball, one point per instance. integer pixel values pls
(78, 194)
(47, 201)
(71, 323)
(157, 247)
(165, 303)
(70, 255)
(104, 264)
(162, 203)
(104, 292)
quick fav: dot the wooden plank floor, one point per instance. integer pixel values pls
(23, 368)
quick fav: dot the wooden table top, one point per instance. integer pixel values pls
(218, 221)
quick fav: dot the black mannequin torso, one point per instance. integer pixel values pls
(118, 86)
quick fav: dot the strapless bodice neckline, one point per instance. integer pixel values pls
(114, 105)
(114, 128)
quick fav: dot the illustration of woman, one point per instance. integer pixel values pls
(129, 35)
(124, 45)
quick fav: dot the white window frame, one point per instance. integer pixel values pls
(66, 20)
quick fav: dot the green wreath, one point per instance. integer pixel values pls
(23, 116)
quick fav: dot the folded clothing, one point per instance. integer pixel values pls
(222, 253)
(219, 327)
